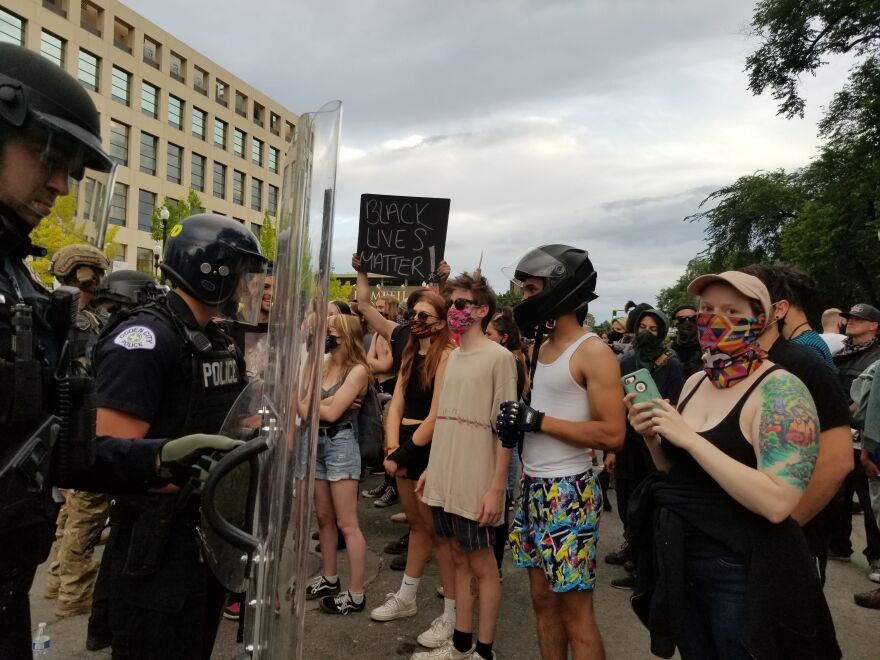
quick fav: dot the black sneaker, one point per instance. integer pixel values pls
(620, 557)
(321, 586)
(342, 604)
(378, 491)
(627, 582)
(398, 563)
(387, 498)
(98, 641)
(399, 546)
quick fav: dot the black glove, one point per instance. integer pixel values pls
(516, 418)
(403, 454)
(177, 456)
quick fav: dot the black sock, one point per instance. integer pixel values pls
(484, 649)
(462, 641)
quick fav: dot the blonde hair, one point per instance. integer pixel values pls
(351, 340)
(392, 306)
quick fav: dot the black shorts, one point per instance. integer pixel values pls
(418, 461)
(467, 532)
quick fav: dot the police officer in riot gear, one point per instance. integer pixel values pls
(163, 369)
(49, 136)
(123, 290)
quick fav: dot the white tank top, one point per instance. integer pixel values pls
(556, 394)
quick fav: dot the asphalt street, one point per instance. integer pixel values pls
(356, 636)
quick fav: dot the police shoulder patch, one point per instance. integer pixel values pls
(136, 337)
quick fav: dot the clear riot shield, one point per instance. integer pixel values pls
(256, 502)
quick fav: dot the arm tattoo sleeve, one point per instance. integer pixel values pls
(788, 442)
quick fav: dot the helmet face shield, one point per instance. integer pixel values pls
(248, 297)
(534, 263)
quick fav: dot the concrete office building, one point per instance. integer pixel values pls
(171, 117)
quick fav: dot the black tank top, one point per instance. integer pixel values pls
(726, 436)
(417, 399)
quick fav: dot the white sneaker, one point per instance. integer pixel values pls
(874, 571)
(394, 608)
(445, 652)
(438, 634)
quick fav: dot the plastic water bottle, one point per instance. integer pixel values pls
(41, 642)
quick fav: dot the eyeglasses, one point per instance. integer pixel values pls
(463, 303)
(679, 319)
(424, 316)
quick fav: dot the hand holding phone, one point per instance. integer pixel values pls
(644, 387)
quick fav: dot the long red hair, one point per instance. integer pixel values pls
(440, 343)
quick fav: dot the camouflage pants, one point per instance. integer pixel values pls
(73, 570)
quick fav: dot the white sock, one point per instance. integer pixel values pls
(409, 588)
(449, 609)
(357, 597)
(331, 578)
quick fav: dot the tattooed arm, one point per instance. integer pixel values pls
(784, 431)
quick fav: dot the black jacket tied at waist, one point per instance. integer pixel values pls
(786, 615)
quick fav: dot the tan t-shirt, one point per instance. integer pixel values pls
(464, 445)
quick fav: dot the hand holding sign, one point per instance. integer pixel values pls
(402, 236)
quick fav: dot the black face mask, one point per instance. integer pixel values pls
(330, 342)
(687, 334)
(614, 336)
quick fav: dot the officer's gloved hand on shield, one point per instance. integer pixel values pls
(177, 456)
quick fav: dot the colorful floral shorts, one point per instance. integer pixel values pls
(556, 529)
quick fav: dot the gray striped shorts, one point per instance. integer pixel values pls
(467, 532)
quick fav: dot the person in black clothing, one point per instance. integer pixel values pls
(168, 368)
(685, 343)
(861, 348)
(633, 463)
(835, 462)
(719, 560)
(49, 134)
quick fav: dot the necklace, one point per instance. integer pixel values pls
(794, 333)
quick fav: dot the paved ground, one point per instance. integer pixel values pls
(333, 638)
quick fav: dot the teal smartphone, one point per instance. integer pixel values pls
(642, 384)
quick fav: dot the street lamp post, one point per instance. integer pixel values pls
(164, 214)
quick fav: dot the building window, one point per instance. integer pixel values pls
(151, 52)
(52, 48)
(200, 80)
(11, 28)
(91, 17)
(56, 6)
(177, 67)
(290, 133)
(145, 261)
(257, 151)
(239, 137)
(120, 85)
(149, 148)
(273, 160)
(198, 172)
(199, 117)
(259, 114)
(149, 100)
(221, 93)
(219, 180)
(118, 204)
(89, 70)
(255, 230)
(241, 103)
(272, 200)
(123, 35)
(119, 142)
(175, 112)
(220, 128)
(274, 123)
(237, 187)
(175, 162)
(146, 206)
(256, 194)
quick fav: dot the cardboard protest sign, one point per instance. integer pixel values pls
(402, 236)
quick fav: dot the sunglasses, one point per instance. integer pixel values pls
(464, 303)
(679, 319)
(423, 316)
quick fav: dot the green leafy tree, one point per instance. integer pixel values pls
(339, 290)
(509, 298)
(61, 228)
(798, 36)
(178, 211)
(268, 236)
(675, 295)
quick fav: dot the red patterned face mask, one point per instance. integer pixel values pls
(730, 347)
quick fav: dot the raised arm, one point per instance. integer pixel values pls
(365, 306)
(379, 356)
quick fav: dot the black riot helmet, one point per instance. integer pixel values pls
(569, 284)
(36, 95)
(211, 258)
(126, 289)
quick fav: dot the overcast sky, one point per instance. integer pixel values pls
(597, 123)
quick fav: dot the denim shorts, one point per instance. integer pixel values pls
(338, 457)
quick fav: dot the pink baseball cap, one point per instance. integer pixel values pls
(748, 285)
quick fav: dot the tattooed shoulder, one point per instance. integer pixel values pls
(788, 441)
